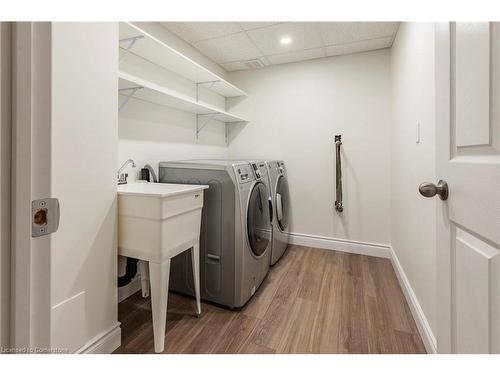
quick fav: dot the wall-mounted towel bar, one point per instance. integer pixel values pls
(338, 174)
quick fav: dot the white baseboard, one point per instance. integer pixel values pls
(104, 343)
(348, 246)
(126, 291)
(418, 314)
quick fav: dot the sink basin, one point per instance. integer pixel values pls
(157, 220)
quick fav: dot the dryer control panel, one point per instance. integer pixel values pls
(258, 170)
(244, 173)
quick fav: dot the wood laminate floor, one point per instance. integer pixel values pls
(312, 301)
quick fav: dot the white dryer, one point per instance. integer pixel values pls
(280, 197)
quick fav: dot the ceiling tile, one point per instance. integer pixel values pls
(195, 31)
(365, 45)
(346, 32)
(255, 25)
(294, 56)
(238, 45)
(305, 35)
(235, 47)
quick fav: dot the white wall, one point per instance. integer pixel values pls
(414, 217)
(294, 111)
(149, 134)
(84, 143)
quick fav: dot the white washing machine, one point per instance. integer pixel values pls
(235, 239)
(280, 196)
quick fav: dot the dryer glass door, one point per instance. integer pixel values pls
(282, 202)
(258, 220)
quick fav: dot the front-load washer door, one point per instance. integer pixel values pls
(282, 203)
(258, 219)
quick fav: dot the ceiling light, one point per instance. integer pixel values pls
(286, 40)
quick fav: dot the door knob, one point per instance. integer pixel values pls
(428, 189)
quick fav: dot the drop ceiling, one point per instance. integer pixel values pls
(250, 45)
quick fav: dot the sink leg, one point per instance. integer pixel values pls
(195, 259)
(159, 274)
(144, 271)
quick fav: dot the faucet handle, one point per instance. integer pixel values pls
(122, 178)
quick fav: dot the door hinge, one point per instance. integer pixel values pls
(44, 216)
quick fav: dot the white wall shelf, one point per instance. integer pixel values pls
(139, 88)
(137, 41)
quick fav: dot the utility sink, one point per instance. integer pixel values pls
(155, 223)
(156, 220)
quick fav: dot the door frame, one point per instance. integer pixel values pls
(31, 179)
(5, 174)
(443, 242)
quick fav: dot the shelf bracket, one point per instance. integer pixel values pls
(131, 41)
(199, 128)
(131, 93)
(198, 84)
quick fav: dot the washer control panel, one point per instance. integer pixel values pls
(244, 173)
(260, 170)
(257, 171)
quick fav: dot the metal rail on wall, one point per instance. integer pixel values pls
(338, 174)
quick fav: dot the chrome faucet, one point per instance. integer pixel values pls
(122, 177)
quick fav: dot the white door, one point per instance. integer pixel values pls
(467, 153)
